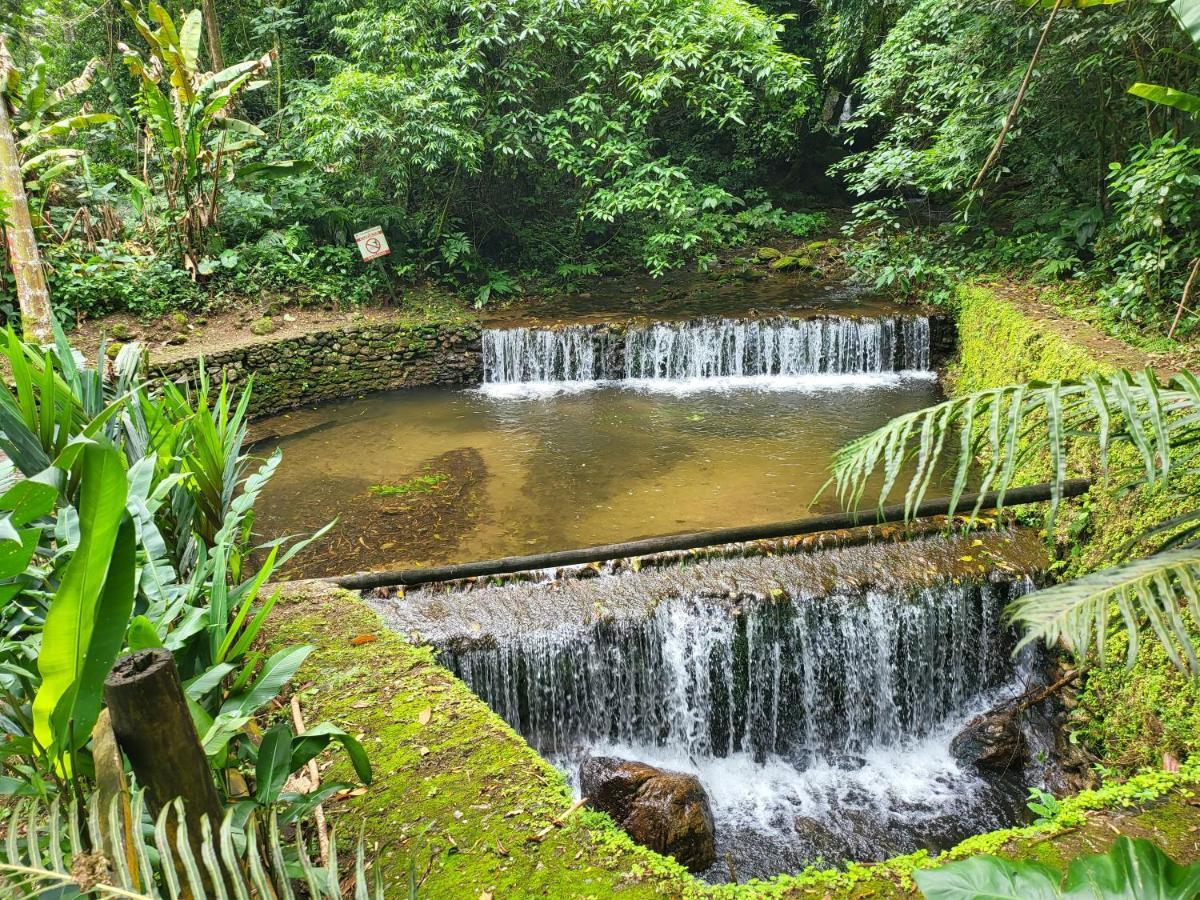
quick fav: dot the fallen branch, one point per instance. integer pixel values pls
(558, 822)
(1046, 692)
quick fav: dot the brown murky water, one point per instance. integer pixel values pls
(488, 476)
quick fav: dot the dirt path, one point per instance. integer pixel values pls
(1032, 300)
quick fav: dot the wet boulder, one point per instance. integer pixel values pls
(665, 811)
(993, 741)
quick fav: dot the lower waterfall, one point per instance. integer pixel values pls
(819, 726)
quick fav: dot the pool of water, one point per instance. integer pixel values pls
(433, 476)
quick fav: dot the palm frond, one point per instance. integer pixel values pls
(1156, 588)
(45, 851)
(1008, 427)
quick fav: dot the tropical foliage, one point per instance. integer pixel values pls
(1132, 868)
(67, 852)
(1020, 428)
(131, 529)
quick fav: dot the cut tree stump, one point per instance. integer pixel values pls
(152, 724)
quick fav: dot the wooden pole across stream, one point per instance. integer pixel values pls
(1034, 493)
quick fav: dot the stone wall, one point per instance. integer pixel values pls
(346, 361)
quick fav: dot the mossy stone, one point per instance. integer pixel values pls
(766, 254)
(265, 325)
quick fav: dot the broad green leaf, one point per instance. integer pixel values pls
(1188, 13)
(31, 498)
(189, 38)
(67, 633)
(1132, 868)
(274, 763)
(313, 741)
(1167, 96)
(142, 634)
(989, 878)
(77, 711)
(276, 672)
(16, 549)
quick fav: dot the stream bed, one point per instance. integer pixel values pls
(591, 434)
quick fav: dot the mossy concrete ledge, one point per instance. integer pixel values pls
(463, 802)
(458, 795)
(344, 361)
(1128, 717)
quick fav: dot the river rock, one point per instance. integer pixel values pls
(665, 811)
(993, 741)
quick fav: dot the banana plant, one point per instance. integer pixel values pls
(197, 141)
(41, 121)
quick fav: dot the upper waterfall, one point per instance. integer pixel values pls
(708, 348)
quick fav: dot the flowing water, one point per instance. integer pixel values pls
(819, 723)
(706, 349)
(596, 433)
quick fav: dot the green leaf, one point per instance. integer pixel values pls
(71, 618)
(32, 498)
(1188, 13)
(274, 763)
(989, 878)
(1167, 96)
(142, 634)
(189, 38)
(1132, 868)
(108, 636)
(1073, 611)
(276, 672)
(313, 741)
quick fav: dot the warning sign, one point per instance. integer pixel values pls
(372, 244)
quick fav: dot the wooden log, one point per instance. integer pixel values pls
(1034, 493)
(152, 724)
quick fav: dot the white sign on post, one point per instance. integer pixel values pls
(372, 244)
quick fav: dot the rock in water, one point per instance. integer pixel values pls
(665, 811)
(993, 741)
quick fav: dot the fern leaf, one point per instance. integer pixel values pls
(1076, 612)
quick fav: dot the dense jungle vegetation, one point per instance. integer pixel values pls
(160, 160)
(507, 147)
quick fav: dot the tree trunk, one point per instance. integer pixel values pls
(212, 30)
(32, 294)
(152, 724)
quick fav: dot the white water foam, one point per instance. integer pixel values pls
(800, 384)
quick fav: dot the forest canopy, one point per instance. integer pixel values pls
(504, 145)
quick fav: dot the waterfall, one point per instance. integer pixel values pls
(522, 355)
(805, 679)
(708, 348)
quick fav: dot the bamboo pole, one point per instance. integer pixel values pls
(1035, 493)
(33, 296)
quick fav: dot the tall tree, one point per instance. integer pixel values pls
(32, 293)
(212, 30)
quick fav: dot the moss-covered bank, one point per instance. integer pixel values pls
(1129, 718)
(462, 800)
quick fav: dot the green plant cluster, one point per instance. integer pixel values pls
(497, 144)
(129, 528)
(1091, 181)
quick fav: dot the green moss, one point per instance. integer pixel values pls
(1133, 716)
(1128, 717)
(460, 798)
